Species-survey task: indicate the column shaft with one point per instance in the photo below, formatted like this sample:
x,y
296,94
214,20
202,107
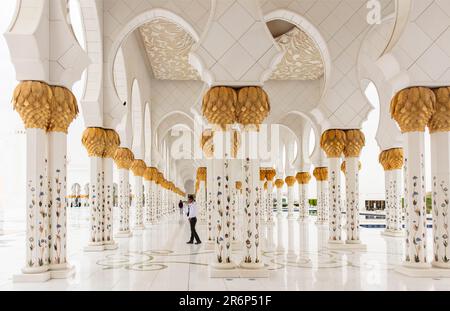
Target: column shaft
x,y
124,201
37,232
352,199
440,155
415,198
334,182
138,202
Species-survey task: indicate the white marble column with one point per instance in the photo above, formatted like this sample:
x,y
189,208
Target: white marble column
x,y
321,175
279,184
440,172
252,243
269,201
334,185
333,143
290,182
138,167
154,200
352,199
303,179
147,202
415,198
124,204
96,204
210,199
108,185
223,249
57,144
37,210
392,161
404,110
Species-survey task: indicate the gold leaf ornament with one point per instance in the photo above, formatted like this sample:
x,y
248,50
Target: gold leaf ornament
x,y
252,106
219,106
333,143
64,109
413,108
123,158
94,140
321,173
32,101
440,120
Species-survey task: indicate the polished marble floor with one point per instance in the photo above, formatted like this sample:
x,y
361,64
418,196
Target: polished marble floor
x,y
159,259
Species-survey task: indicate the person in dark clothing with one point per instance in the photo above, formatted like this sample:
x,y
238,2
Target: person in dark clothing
x,y
192,216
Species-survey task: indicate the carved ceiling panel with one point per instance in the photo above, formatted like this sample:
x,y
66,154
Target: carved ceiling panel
x,y
167,46
302,59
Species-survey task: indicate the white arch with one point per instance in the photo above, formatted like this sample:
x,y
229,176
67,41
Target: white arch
x,y
133,24
305,25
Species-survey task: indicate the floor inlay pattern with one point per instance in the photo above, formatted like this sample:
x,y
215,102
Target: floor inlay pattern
x,y
158,258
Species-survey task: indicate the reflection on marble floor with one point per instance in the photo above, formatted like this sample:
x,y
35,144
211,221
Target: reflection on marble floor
x,y
159,259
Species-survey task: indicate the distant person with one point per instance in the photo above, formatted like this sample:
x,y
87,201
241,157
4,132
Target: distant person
x,y
192,216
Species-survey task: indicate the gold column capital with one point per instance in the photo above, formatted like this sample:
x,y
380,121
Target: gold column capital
x,y
303,178
219,106
112,142
123,158
354,142
321,173
279,183
333,143
262,174
413,108
33,100
252,106
94,140
270,174
138,167
64,109
440,120
290,181
239,185
392,159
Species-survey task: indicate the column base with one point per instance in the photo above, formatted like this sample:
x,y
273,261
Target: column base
x,y
111,246
124,234
332,244
31,277
253,270
392,233
223,270
94,247
423,271
62,271
291,217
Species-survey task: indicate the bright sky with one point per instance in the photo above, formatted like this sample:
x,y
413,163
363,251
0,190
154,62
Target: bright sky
x,y
13,146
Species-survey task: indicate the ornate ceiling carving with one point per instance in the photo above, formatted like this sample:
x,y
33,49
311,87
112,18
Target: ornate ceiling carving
x,y
302,59
167,46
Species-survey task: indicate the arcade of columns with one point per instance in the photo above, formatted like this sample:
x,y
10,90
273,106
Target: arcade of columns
x,y
47,112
